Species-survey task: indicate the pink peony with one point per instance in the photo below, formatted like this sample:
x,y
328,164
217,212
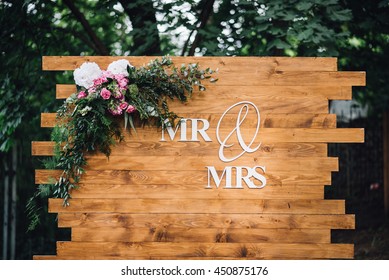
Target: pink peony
x,y
123,105
81,95
130,109
105,93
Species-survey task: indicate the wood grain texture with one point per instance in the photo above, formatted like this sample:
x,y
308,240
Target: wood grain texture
x,y
151,148
270,135
237,206
45,257
249,221
267,64
232,92
149,199
148,250
267,121
142,177
239,74
217,235
195,192
194,162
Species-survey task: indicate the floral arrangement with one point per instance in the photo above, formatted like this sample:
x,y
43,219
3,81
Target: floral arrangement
x,y
88,121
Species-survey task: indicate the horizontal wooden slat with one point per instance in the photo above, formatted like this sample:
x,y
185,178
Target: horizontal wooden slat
x,y
267,121
151,148
290,78
260,221
268,64
167,258
222,235
265,135
246,92
268,135
194,192
258,206
45,257
200,162
147,250
267,105
274,178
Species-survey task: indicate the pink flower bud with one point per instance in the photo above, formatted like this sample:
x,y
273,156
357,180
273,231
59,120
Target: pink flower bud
x,y
123,105
130,109
81,95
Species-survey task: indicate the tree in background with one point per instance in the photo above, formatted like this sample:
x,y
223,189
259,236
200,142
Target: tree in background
x,y
358,30
367,49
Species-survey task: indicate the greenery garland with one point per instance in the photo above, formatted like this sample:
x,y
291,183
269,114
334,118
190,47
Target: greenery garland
x,y
88,120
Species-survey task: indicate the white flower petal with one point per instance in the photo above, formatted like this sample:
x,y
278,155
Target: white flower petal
x,y
86,73
119,67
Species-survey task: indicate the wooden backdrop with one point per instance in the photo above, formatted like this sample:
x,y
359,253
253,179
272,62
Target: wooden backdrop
x,y
148,201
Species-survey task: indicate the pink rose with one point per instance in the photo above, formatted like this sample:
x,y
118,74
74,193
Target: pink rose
x,y
100,81
105,93
81,95
116,111
119,95
123,105
123,83
130,109
121,80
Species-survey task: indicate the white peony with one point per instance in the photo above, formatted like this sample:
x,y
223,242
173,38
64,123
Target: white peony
x,y
86,73
119,67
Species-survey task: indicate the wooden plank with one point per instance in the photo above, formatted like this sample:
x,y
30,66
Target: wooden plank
x,y
42,148
220,235
267,105
237,206
147,250
246,221
267,135
122,177
245,92
268,64
181,258
267,121
290,78
151,148
45,257
194,192
188,163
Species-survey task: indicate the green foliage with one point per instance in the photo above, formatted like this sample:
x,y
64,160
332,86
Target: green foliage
x,y
87,125
368,50
278,27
